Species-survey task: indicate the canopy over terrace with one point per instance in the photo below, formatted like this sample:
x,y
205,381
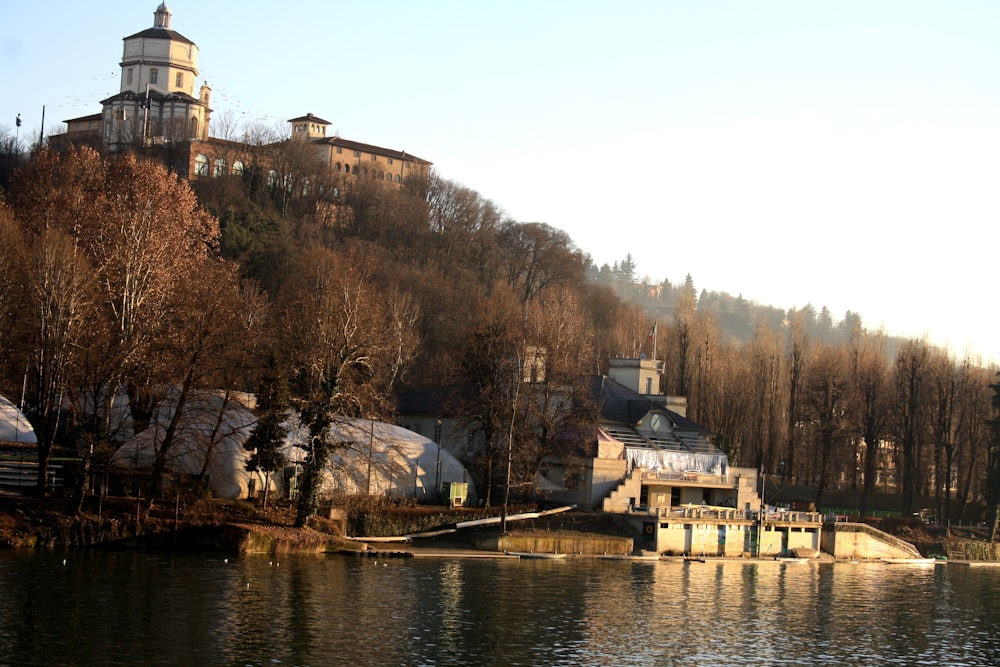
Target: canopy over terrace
x,y
672,451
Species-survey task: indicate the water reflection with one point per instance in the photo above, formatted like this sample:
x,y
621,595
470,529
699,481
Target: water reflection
x,y
130,608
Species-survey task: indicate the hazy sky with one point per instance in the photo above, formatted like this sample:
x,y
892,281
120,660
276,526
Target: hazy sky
x,y
841,153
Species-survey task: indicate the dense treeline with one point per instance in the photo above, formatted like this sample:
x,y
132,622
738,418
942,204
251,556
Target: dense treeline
x,y
341,292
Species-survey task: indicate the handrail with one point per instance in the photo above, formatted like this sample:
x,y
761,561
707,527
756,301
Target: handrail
x,y
729,514
879,535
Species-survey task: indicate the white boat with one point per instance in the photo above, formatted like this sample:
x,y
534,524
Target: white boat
x,y
909,561
536,554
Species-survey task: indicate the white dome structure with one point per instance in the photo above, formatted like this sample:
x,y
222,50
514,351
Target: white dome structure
x,y
14,426
377,458
369,457
208,439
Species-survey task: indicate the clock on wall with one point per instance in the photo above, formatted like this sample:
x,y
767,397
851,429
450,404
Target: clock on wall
x,y
656,422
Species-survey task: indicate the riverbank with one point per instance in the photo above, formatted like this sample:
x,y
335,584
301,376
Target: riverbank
x,y
243,527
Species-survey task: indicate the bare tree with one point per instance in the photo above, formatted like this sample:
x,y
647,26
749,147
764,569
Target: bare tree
x,y
871,406
536,256
944,389
825,402
59,307
492,364
910,377
991,488
349,349
797,352
12,280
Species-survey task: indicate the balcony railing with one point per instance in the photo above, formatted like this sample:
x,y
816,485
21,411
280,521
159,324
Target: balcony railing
x,y
686,476
729,514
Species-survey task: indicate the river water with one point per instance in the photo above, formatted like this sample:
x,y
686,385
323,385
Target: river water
x,y
125,608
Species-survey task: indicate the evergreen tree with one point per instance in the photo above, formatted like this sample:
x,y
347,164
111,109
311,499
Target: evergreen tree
x,y
269,434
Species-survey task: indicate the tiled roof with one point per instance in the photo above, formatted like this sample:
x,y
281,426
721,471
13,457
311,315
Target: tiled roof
x,y
84,119
161,33
154,95
368,148
309,117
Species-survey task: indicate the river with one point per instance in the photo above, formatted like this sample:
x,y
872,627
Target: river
x,y
127,608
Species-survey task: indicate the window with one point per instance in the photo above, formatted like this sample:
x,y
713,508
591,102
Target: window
x,y
374,158
200,165
179,79
272,178
357,153
336,167
220,167
397,178
237,168
154,75
339,150
128,76
390,160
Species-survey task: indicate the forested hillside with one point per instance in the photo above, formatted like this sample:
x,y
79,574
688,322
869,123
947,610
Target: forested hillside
x,y
333,293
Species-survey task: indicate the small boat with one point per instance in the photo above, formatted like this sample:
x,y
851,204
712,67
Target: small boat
x,y
538,554
643,557
909,561
791,559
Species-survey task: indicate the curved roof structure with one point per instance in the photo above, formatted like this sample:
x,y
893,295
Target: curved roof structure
x,y
14,426
369,457
378,458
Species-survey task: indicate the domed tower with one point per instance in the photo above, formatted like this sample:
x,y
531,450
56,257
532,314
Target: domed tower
x,y
156,101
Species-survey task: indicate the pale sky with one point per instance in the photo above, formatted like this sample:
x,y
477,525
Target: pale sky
x,y
838,153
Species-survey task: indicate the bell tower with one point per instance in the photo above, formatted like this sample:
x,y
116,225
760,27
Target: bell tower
x,y
156,101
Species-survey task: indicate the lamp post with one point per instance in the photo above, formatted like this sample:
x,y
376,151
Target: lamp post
x,y
510,446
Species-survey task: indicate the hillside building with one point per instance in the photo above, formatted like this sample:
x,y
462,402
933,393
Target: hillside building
x,y
161,109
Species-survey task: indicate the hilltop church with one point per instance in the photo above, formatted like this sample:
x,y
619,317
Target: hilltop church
x,y
156,107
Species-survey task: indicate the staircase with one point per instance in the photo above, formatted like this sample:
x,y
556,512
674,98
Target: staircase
x,y
859,540
626,494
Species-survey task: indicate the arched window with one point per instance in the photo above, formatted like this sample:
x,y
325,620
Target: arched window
x,y
194,127
336,167
397,178
237,168
220,167
200,165
272,178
